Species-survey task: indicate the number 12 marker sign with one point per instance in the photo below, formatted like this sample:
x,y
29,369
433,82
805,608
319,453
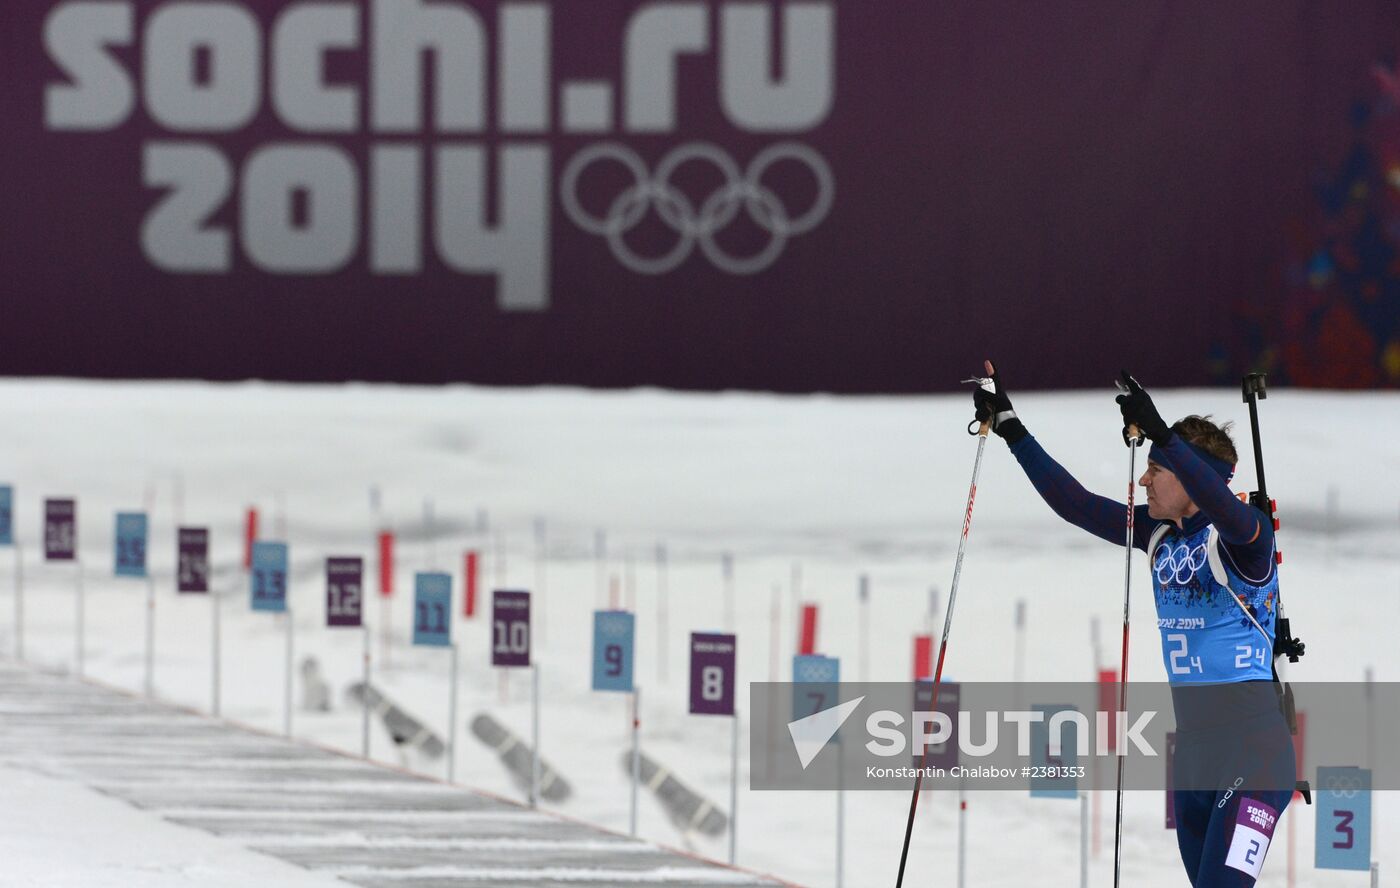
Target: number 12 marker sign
x,y
344,582
510,628
613,634
192,553
712,674
432,609
269,577
131,544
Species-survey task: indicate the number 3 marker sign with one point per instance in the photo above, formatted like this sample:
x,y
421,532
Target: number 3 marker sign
x,y
510,628
711,674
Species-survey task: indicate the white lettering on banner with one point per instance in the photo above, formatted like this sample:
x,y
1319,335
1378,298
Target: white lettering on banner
x,y
101,95
303,35
296,207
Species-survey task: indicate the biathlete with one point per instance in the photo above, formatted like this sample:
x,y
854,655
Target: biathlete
x,y
1216,591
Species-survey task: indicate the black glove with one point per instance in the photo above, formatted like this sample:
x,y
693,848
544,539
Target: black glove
x,y
1139,410
996,406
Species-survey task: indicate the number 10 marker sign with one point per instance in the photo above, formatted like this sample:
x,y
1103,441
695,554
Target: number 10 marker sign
x,y
432,609
60,529
193,559
711,674
510,628
613,633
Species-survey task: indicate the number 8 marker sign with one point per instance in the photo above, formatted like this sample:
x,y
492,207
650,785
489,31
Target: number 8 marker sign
x,y
613,633
432,609
131,544
712,674
510,628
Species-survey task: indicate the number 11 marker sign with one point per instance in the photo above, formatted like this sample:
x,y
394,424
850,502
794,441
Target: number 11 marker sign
x,y
432,609
510,628
712,674
613,633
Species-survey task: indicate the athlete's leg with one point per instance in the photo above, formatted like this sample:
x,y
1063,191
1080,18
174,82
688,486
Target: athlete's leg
x,y
1192,810
1238,836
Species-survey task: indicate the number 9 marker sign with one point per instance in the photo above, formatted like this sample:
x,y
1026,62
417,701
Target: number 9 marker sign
x,y
510,628
711,674
613,633
432,609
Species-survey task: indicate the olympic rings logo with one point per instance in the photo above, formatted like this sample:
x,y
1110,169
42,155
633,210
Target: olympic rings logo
x,y
740,191
815,672
613,626
1177,566
1343,787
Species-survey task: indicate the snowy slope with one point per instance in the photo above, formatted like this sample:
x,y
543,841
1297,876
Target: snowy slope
x,y
839,486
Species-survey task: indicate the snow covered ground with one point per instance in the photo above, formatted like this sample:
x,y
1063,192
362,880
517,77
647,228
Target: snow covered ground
x,y
834,487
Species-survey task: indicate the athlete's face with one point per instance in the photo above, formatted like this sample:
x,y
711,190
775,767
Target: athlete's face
x,y
1166,498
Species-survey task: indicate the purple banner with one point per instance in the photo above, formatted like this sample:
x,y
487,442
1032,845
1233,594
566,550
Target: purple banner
x,y
712,674
60,529
510,628
344,591
790,196
943,755
192,552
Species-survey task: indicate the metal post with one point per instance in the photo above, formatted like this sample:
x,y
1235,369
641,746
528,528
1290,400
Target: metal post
x,y
19,603
364,710
863,670
287,698
734,789
662,613
1083,840
1375,875
840,816
534,735
451,719
78,635
214,677
636,753
962,832
150,682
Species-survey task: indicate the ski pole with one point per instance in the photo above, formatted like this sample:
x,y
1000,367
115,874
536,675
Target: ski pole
x,y
1133,438
981,433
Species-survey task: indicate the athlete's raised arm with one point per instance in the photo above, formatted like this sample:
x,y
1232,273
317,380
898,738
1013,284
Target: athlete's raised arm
x,y
1100,515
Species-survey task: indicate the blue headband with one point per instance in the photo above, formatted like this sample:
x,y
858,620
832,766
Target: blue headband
x,y
1159,455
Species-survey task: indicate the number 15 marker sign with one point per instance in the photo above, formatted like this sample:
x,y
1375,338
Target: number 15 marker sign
x,y
712,674
613,633
510,628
